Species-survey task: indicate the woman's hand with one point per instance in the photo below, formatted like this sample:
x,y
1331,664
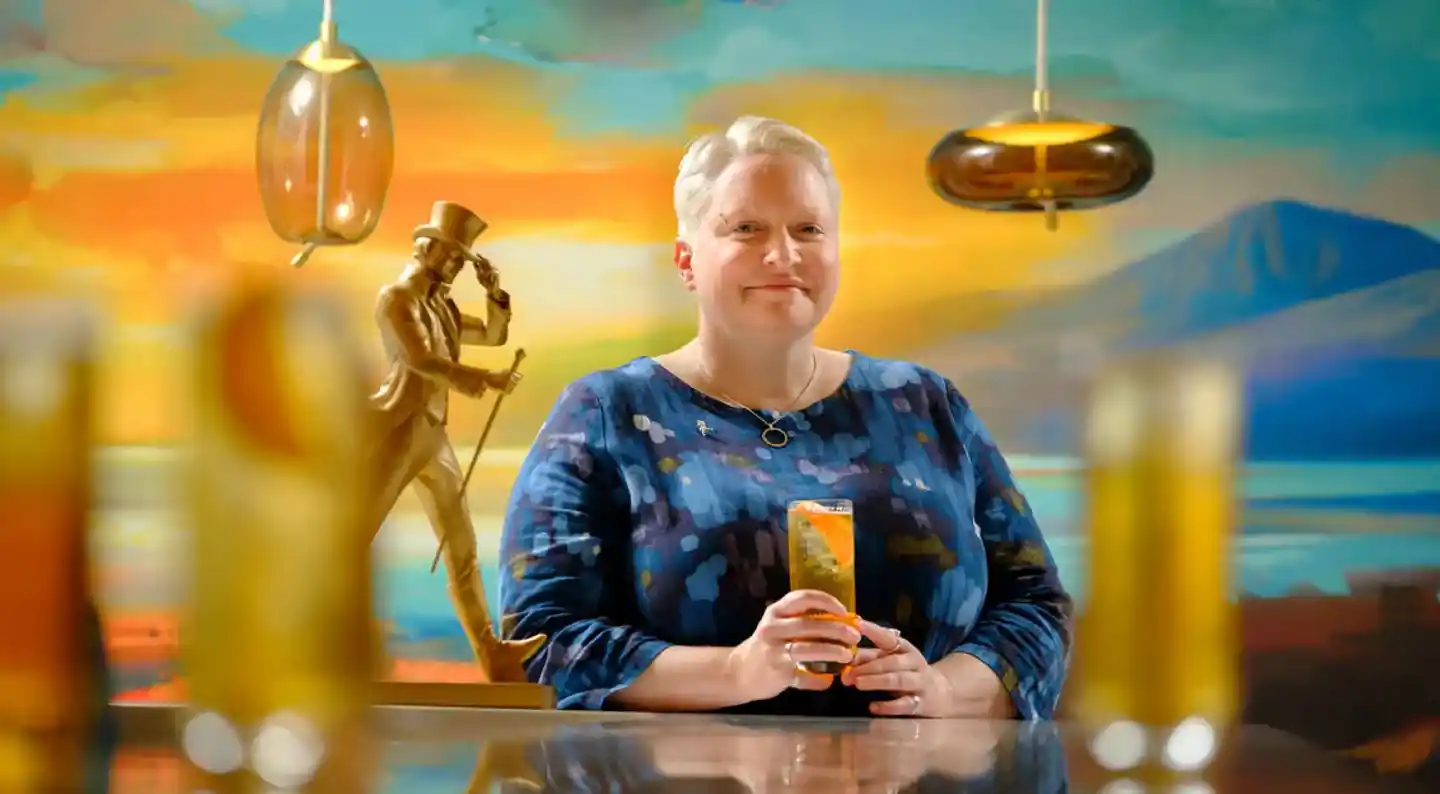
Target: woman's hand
x,y
975,690
768,662
897,667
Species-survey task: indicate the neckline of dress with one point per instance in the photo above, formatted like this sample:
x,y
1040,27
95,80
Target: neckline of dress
x,y
717,405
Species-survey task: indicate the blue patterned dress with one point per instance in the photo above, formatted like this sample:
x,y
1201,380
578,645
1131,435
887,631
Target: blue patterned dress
x,y
649,514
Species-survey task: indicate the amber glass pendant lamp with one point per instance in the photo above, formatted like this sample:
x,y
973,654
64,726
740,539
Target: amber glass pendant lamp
x,y
1038,160
325,149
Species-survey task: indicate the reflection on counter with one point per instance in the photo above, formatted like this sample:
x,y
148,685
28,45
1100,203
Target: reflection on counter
x,y
787,756
475,751
690,754
705,755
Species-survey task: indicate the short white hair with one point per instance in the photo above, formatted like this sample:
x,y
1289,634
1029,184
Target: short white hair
x,y
708,157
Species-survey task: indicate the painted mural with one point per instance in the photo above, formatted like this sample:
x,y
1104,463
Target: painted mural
x,y
1292,226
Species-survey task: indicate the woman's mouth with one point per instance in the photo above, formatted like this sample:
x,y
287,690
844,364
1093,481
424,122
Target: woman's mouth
x,y
779,288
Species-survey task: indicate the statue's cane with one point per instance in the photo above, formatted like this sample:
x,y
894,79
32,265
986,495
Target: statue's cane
x,y
475,457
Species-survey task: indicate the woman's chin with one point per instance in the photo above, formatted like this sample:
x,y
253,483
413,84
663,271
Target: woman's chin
x,y
793,321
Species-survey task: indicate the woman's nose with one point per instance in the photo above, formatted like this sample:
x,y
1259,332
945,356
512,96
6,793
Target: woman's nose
x,y
783,251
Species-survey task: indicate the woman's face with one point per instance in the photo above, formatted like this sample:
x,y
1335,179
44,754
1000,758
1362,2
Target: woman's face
x,y
763,259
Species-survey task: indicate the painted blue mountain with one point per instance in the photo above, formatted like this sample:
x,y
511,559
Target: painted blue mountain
x,y
1334,316
1354,376
1268,258
1262,259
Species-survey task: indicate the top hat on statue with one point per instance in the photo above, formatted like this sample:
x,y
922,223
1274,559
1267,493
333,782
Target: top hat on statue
x,y
454,225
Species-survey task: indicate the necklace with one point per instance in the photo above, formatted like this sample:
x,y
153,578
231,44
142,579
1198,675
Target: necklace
x,y
772,436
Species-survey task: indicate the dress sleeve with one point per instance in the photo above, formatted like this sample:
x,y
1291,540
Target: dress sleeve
x,y
563,552
1023,633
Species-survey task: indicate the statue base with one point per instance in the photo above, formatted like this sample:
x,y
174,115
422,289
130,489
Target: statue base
x,y
475,695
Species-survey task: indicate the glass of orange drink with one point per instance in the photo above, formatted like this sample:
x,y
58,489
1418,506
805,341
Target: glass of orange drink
x,y
822,557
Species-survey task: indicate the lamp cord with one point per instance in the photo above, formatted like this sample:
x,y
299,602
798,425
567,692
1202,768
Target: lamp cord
x,y
1042,76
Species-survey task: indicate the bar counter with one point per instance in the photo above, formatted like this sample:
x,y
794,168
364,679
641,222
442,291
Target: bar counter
x,y
476,751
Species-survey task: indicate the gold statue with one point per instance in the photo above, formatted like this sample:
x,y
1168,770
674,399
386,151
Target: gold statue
x,y
422,330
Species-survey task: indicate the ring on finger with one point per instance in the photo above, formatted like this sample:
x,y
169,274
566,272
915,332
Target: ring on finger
x,y
896,634
790,653
914,704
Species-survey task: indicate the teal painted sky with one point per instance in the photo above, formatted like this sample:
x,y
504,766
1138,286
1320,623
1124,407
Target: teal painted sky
x,y
1360,77
1300,72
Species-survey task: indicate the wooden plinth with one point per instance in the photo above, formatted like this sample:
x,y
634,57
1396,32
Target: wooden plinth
x,y
466,695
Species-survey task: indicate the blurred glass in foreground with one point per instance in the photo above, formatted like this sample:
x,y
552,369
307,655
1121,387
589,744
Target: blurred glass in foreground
x,y
277,643
1159,667
52,667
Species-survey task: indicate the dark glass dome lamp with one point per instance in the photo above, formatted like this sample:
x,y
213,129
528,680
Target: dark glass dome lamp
x,y
325,148
1038,160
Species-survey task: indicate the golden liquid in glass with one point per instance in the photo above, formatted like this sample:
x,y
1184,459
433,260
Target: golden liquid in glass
x,y
49,687
277,640
1160,648
822,557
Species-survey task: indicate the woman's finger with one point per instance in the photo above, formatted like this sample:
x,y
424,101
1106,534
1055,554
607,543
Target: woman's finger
x,y
801,652
892,663
798,602
789,629
907,706
884,637
899,681
868,655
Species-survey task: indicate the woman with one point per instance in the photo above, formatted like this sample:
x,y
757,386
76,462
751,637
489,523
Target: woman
x,y
646,531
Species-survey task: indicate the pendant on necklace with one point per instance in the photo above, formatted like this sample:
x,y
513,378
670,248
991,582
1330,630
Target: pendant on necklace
x,y
774,437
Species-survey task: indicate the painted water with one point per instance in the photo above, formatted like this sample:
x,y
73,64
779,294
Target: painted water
x,y
1307,527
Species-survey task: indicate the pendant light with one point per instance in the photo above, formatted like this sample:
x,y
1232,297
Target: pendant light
x,y
1039,160
325,149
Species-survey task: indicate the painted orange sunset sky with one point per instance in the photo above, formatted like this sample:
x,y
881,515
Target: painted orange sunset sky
x,y
127,171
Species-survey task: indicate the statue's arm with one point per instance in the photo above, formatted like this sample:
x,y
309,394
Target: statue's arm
x,y
397,313
494,329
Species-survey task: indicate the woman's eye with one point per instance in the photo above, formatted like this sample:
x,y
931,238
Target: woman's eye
x,y
747,228
810,228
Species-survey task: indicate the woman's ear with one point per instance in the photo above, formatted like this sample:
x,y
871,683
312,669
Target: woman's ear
x,y
683,257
